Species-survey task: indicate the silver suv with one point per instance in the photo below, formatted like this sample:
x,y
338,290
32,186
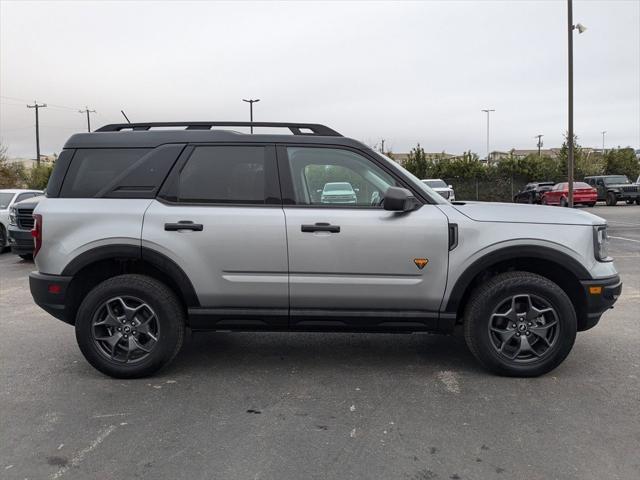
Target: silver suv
x,y
146,231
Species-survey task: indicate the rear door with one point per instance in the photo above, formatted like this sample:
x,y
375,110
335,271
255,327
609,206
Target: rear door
x,y
356,265
219,217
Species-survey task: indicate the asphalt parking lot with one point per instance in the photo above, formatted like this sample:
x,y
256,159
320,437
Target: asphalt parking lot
x,y
321,406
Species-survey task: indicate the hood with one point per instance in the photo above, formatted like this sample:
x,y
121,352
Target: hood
x,y
523,213
29,202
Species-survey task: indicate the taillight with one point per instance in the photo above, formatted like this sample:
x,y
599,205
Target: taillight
x,y
36,233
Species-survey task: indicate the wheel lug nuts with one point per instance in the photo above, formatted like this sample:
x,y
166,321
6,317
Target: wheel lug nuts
x,y
529,323
513,326
135,332
528,333
126,336
119,329
517,334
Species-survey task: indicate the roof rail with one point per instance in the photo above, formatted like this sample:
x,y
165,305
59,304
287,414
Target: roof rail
x,y
296,128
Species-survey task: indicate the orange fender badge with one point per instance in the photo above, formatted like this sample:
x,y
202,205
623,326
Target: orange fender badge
x,y
421,262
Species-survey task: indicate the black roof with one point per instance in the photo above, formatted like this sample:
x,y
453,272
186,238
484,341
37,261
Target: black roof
x,y
150,135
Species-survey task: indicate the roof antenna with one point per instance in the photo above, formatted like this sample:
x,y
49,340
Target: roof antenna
x,y
125,116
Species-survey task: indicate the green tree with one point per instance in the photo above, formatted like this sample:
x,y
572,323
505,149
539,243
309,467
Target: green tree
x,y
12,175
622,161
417,162
38,176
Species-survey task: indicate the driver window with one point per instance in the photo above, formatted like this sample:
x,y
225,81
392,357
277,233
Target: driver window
x,y
336,177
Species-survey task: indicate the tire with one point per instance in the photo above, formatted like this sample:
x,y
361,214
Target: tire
x,y
612,199
563,202
26,256
481,327
629,202
592,204
638,201
158,314
3,238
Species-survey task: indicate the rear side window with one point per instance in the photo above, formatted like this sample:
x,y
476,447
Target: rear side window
x,y
92,169
225,174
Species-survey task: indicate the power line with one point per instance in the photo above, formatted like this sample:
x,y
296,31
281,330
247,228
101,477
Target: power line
x,y
37,107
87,111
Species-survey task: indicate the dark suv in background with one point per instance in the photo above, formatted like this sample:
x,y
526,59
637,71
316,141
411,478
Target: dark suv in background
x,y
20,225
532,192
614,188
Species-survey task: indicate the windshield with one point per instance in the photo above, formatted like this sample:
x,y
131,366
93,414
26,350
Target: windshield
x,y
435,183
434,196
616,179
337,186
5,200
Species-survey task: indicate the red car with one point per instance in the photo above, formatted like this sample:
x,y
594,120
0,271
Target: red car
x,y
583,194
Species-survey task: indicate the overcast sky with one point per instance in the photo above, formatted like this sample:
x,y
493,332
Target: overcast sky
x,y
407,72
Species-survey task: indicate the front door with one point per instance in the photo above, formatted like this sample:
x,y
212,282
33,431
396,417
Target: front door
x,y
353,264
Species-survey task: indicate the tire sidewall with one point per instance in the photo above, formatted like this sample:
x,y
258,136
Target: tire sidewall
x,y
160,302
478,327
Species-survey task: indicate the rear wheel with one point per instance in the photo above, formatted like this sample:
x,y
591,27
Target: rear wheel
x,y
612,199
130,326
630,202
563,202
520,324
26,256
3,238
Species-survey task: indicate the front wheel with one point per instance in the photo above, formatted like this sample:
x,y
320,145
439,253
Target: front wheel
x,y
520,324
612,199
130,326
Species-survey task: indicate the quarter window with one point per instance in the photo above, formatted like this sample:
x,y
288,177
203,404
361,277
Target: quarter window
x,y
336,177
224,174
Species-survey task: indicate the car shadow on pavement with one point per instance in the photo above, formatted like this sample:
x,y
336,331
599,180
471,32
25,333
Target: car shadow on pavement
x,y
330,351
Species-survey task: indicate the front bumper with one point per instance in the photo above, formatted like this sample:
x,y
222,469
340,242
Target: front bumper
x,y
601,295
49,291
20,241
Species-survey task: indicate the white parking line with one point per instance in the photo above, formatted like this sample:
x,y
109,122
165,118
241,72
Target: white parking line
x,y
627,239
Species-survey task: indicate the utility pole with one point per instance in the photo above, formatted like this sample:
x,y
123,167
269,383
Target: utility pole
x,y
539,145
87,111
488,111
603,134
37,107
570,160
251,102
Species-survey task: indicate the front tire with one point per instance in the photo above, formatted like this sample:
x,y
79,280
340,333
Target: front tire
x,y
520,324
612,199
130,326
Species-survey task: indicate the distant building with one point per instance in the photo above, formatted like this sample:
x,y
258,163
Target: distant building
x,y
29,163
402,158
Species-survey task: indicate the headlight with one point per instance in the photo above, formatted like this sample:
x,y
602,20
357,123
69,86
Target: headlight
x,y
601,244
12,216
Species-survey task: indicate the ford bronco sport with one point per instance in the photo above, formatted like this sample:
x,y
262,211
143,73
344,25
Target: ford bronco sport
x,y
148,229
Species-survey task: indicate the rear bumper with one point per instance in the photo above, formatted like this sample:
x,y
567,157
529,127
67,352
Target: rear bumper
x,y
601,295
49,291
20,241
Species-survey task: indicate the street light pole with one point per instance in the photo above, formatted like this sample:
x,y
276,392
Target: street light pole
x,y
488,110
603,133
570,159
539,145
251,102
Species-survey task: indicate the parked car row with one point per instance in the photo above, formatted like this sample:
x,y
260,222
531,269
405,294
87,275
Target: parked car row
x,y
16,221
609,188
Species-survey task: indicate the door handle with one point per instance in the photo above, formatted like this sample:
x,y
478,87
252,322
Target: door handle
x,y
183,225
320,227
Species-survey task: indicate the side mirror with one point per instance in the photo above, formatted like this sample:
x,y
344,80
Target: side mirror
x,y
357,190
451,187
398,199
319,190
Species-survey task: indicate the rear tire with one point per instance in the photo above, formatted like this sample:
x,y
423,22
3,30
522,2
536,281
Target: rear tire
x,y
630,202
563,202
3,238
612,199
545,327
130,326
26,256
